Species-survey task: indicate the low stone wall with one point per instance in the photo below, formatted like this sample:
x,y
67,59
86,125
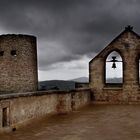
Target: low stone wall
x,y
17,109
80,98
115,95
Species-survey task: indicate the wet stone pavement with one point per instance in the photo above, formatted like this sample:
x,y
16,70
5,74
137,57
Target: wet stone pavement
x,y
94,122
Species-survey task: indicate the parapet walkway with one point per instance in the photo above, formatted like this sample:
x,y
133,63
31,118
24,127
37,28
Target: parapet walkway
x,y
93,122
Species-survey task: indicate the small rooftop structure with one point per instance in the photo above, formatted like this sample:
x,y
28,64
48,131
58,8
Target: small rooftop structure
x,y
114,72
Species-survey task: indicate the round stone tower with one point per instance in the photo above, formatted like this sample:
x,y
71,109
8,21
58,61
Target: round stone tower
x,y
18,63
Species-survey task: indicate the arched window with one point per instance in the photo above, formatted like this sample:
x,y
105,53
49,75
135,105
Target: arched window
x,y
114,68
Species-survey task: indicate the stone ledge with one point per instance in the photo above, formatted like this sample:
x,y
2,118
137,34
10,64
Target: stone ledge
x,y
39,93
17,35
112,88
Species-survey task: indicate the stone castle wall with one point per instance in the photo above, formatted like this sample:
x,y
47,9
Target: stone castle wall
x,y
17,109
19,74
18,63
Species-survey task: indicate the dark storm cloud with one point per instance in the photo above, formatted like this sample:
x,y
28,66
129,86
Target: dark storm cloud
x,y
68,29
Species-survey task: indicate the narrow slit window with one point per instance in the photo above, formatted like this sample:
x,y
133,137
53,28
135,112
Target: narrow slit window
x,y
114,69
4,117
14,53
1,53
139,70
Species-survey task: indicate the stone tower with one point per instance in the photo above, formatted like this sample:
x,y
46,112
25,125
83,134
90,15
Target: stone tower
x,y
18,63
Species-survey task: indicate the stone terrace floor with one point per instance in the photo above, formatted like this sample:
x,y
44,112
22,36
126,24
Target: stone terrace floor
x,y
94,122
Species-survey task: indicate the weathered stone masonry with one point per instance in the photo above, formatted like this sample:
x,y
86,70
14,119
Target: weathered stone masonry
x,y
19,99
18,63
22,107
127,44
18,73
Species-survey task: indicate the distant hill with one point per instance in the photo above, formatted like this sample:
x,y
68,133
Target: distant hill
x,y
61,84
81,80
69,85
114,80
56,85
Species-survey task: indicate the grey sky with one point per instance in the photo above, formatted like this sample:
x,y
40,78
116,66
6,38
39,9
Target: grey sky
x,y
69,32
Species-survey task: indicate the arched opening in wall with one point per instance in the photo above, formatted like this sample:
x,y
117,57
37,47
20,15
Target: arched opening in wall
x,y
114,68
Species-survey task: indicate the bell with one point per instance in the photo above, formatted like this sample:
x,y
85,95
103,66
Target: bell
x,y
114,65
114,58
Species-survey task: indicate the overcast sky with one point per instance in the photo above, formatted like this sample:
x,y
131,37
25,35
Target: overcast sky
x,y
69,32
